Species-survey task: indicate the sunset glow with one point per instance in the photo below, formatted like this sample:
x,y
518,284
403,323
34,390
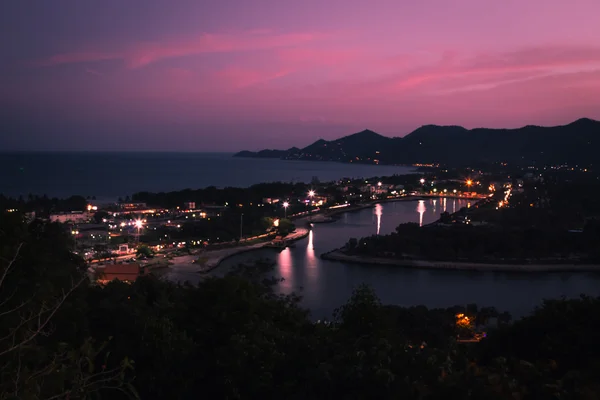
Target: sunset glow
x,y
232,75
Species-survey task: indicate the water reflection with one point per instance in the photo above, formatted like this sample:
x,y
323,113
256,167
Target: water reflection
x,y
434,205
312,262
444,204
285,263
310,251
421,210
325,285
453,206
378,214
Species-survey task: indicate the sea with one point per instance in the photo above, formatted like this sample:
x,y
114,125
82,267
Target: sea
x,y
323,285
108,176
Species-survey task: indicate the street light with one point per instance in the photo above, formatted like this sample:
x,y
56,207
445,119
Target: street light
x,y
422,181
138,224
311,193
285,206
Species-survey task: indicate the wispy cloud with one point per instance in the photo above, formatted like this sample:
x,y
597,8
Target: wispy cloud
x,y
93,72
536,62
140,54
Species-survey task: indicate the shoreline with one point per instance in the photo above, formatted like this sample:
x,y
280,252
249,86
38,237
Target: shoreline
x,y
337,255
211,264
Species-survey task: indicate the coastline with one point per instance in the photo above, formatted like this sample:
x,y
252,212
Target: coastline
x,y
218,256
337,255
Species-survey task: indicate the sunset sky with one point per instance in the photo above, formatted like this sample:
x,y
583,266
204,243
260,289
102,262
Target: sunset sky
x,y
227,75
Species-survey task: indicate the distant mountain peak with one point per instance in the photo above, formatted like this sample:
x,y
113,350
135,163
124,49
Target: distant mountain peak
x,y
577,143
582,121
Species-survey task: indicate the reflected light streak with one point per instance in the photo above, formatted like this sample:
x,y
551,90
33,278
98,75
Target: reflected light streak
x,y
310,251
434,204
378,214
444,204
312,270
454,206
421,210
285,266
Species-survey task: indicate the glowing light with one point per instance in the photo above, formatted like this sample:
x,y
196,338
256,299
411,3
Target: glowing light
x,y
421,210
378,214
422,181
276,223
311,193
469,182
379,184
139,223
286,204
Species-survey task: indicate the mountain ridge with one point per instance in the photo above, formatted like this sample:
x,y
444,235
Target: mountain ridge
x,y
576,142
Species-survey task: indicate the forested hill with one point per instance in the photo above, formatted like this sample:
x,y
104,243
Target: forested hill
x,y
577,143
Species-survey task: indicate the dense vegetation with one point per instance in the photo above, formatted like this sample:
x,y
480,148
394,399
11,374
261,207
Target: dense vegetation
x,y
233,338
554,220
482,244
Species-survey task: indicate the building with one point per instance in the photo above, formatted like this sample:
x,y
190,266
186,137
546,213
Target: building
x,y
132,206
269,200
74,217
121,272
190,205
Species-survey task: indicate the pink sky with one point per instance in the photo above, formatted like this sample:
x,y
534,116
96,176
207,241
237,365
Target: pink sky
x,y
231,75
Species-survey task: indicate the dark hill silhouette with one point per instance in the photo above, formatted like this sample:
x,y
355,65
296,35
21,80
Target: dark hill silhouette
x,y
575,143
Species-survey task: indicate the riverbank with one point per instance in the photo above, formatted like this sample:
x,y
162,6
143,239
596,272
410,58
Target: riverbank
x,y
331,215
213,258
338,255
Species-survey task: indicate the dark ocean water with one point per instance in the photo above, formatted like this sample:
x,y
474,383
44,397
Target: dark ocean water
x,y
111,175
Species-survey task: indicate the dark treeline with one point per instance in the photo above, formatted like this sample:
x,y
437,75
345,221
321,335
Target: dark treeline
x,y
555,219
213,195
233,338
43,204
483,244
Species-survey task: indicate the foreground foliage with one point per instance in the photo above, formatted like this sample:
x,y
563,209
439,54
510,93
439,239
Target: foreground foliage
x,y
234,338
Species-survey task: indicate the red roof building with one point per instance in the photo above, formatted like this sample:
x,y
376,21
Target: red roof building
x,y
128,272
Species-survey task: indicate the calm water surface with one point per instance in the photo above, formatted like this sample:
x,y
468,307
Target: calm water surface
x,y
326,285
112,175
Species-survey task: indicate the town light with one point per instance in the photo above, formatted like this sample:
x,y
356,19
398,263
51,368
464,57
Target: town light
x,y
139,223
422,181
379,184
469,182
311,193
285,206
276,223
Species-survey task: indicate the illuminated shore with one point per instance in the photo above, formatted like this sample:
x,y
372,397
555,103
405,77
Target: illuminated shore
x,y
338,255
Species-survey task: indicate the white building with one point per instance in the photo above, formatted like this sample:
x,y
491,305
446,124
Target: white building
x,y
75,217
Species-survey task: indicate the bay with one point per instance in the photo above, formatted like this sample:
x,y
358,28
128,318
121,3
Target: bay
x,y
325,285
111,175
